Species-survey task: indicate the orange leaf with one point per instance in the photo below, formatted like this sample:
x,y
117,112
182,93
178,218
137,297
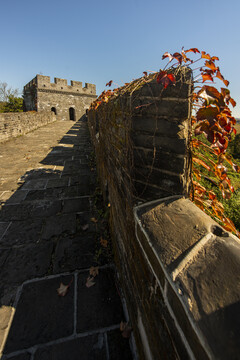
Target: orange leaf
x,y
211,65
229,225
178,57
211,91
199,202
199,188
109,83
94,271
219,76
233,102
205,56
195,50
201,162
197,173
208,113
211,195
206,77
103,242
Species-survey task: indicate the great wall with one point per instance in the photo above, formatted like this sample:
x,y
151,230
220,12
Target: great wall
x,y
177,269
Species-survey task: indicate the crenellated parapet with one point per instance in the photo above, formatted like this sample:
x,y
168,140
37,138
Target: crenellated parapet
x,y
43,83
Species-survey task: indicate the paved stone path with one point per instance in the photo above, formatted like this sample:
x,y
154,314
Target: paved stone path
x,y
53,230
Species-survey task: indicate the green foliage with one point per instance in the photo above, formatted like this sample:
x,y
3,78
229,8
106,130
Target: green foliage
x,y
14,104
208,181
234,147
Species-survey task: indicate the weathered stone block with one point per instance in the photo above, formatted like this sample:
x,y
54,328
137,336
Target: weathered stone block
x,y
159,159
41,314
155,125
162,107
29,261
92,347
168,144
167,181
199,273
109,309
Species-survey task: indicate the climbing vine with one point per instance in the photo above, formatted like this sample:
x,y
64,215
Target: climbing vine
x,y
212,125
213,119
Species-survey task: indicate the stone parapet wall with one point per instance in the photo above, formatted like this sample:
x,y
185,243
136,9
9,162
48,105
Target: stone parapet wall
x,y
16,124
141,140
179,270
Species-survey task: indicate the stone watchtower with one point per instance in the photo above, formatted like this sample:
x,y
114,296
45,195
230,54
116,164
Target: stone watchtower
x,y
68,102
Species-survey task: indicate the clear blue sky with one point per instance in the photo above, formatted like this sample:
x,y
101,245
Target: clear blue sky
x,y
97,41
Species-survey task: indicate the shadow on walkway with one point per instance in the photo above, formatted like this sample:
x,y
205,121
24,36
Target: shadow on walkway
x,y
51,232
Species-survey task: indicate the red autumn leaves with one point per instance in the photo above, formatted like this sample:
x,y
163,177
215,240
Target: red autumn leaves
x,y
165,79
214,120
208,71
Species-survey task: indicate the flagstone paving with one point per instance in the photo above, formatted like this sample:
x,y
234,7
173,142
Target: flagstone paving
x,y
50,232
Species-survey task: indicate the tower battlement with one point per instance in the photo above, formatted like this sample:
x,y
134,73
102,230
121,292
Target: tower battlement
x,y
42,83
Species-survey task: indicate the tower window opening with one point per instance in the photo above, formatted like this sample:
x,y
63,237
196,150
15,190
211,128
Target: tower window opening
x,y
72,113
54,110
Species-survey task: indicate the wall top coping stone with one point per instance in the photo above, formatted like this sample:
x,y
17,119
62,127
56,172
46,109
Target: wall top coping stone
x,y
200,263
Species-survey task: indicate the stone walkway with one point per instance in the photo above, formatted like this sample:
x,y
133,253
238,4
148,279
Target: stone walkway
x,y
53,229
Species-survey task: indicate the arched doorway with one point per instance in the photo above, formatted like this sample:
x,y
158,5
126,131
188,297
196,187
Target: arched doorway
x,y
72,113
54,110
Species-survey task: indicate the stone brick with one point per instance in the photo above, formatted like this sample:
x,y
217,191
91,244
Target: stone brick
x,y
58,224
76,204
75,252
159,159
92,347
41,314
29,261
176,219
3,228
156,125
22,232
105,302
168,144
26,210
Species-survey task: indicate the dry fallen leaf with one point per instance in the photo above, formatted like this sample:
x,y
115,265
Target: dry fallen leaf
x,y
62,290
93,219
103,242
125,329
90,281
94,271
85,227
